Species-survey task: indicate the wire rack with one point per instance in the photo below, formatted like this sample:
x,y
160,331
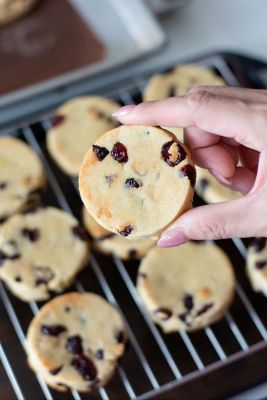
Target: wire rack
x,y
154,364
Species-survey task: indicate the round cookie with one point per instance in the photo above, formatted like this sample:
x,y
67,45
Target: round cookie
x,y
77,124
186,288
75,341
211,190
136,180
11,10
22,177
179,81
256,266
110,243
41,252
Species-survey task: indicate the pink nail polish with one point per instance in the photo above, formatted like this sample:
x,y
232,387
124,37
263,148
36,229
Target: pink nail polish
x,y
123,110
172,238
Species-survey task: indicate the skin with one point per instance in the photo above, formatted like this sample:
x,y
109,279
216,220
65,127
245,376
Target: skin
x,y
221,125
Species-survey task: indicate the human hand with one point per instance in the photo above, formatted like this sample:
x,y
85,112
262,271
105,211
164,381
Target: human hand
x,y
222,125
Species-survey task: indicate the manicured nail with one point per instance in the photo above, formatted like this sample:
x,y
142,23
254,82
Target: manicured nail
x,y
123,110
172,238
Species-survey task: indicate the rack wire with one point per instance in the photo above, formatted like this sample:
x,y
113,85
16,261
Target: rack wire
x,y
153,363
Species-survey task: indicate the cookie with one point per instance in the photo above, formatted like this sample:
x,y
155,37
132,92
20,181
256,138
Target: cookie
x,y
186,288
179,81
41,252
75,341
22,177
77,124
212,191
256,265
96,231
11,10
136,180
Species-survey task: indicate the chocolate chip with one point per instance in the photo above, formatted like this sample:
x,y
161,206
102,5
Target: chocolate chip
x,y
260,264
53,330
43,275
99,354
172,153
119,337
126,231
132,183
163,313
84,367
203,183
119,153
55,371
31,234
190,172
80,233
204,309
3,185
188,301
259,243
100,152
74,344
133,253
57,120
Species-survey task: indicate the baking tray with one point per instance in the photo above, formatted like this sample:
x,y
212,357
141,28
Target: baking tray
x,y
224,358
126,29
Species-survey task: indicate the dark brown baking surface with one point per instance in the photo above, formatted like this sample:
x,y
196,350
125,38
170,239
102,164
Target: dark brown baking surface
x,y
50,40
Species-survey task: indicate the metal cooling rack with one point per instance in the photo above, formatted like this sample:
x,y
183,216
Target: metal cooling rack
x,y
154,364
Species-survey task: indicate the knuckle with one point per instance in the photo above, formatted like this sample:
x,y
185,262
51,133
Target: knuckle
x,y
214,230
197,98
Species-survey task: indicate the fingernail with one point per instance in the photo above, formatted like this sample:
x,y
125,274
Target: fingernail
x,y
221,178
172,238
123,110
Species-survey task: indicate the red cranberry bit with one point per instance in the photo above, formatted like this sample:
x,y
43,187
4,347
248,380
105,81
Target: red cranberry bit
x,y
172,91
172,153
53,330
85,367
3,185
163,313
57,120
3,257
55,371
31,234
119,337
204,309
99,354
126,231
119,153
188,302
260,264
74,345
100,152
18,279
132,183
203,184
43,275
80,233
133,253
259,243
190,172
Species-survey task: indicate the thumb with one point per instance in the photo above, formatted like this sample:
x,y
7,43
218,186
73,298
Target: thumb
x,y
236,218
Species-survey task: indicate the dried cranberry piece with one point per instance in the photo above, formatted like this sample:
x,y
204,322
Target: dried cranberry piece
x,y
173,153
31,234
119,337
18,279
183,317
3,185
188,301
172,91
55,371
53,330
57,120
80,233
74,345
259,243
203,184
13,257
190,172
204,309
163,313
126,231
43,275
132,183
260,264
119,153
3,257
3,219
99,354
67,309
85,367
100,152
133,253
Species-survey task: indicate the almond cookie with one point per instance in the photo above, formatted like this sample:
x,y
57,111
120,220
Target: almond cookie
x,y
75,341
257,265
41,252
112,244
136,180
11,10
77,124
22,177
186,288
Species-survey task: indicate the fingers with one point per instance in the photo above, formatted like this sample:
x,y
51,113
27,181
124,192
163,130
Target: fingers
x,y
228,117
248,95
237,218
242,180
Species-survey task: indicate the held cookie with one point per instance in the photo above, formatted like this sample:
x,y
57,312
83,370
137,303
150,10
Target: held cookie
x,y
75,341
22,177
11,10
257,265
41,252
112,244
211,190
77,124
136,180
186,288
